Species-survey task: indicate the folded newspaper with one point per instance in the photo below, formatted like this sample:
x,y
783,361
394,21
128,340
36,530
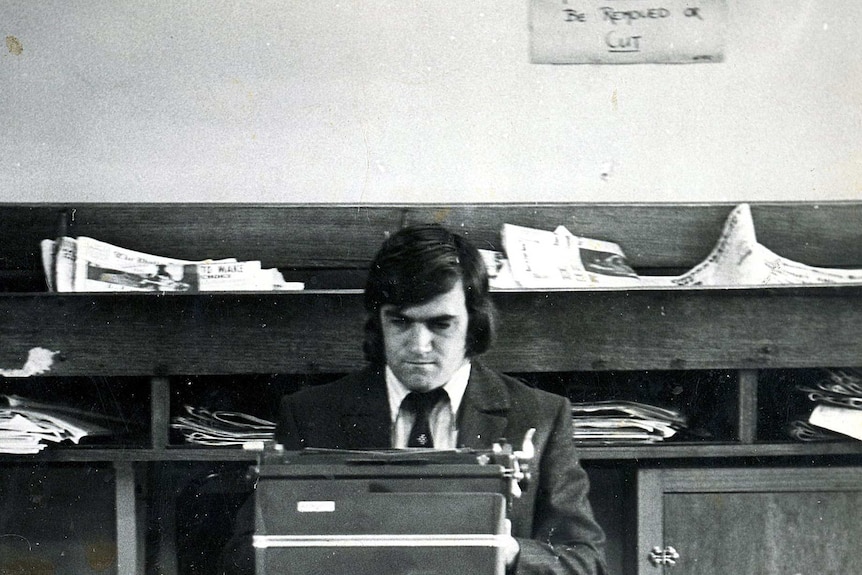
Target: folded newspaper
x,y
542,259
738,259
88,265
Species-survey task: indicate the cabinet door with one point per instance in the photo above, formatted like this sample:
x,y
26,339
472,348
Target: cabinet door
x,y
759,521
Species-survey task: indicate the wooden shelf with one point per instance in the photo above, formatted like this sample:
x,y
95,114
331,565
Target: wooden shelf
x,y
74,455
587,453
719,450
563,330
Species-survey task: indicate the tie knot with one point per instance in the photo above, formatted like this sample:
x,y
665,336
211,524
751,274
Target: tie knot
x,y
422,403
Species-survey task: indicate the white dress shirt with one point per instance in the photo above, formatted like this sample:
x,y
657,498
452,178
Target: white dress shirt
x,y
443,418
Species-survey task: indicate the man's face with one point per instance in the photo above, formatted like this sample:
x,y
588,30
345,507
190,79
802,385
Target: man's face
x,y
426,344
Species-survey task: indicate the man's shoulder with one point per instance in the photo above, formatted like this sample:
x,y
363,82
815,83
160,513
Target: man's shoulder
x,y
518,389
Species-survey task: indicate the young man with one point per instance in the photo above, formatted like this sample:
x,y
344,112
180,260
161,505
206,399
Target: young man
x,y
429,318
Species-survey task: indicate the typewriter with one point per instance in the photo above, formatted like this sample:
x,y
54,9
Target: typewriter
x,y
398,512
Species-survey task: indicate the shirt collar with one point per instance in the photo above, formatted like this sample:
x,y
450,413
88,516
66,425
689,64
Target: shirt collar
x,y
454,388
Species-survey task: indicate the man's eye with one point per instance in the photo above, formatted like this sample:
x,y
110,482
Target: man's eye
x,y
441,325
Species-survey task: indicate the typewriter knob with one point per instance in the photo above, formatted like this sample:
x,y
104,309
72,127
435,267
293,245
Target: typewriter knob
x,y
528,450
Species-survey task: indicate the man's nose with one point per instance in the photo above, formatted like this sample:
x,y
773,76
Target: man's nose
x,y
421,338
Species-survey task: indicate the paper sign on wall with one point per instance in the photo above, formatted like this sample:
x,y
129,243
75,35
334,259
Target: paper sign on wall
x,y
627,31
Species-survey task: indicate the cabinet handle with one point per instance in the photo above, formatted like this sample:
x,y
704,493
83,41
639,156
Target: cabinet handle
x,y
666,556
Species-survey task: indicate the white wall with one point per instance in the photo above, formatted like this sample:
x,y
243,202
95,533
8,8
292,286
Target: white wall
x,y
415,101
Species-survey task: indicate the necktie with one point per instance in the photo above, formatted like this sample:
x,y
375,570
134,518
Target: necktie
x,y
420,405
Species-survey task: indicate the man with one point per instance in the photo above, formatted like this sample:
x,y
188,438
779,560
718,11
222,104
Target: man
x,y
429,318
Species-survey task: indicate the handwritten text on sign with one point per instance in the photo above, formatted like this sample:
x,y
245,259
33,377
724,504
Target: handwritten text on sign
x,y
627,31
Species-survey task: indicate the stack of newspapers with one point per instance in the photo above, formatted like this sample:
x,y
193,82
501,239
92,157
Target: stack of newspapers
x,y
837,411
543,259
202,426
27,426
606,422
84,264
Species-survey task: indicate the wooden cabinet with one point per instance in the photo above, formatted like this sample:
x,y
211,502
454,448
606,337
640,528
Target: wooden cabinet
x,y
749,520
145,355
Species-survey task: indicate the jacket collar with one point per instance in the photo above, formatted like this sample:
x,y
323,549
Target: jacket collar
x,y
484,411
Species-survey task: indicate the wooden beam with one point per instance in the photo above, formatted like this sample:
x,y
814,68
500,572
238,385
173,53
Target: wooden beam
x,y
321,332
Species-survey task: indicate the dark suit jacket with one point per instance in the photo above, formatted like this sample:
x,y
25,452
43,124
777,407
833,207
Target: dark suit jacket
x,y
552,520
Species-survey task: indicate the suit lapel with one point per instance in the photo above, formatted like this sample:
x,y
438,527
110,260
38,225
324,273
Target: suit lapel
x,y
484,410
365,420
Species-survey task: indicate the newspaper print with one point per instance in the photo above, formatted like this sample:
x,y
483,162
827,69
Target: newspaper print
x,y
100,266
88,265
738,259
541,259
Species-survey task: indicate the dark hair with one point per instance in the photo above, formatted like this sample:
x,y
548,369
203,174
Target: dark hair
x,y
418,263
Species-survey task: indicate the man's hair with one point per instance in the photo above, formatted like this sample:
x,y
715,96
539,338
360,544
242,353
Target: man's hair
x,y
417,264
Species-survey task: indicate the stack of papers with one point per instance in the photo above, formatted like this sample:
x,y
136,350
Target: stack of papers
x,y
27,426
541,259
606,422
838,404
222,428
84,264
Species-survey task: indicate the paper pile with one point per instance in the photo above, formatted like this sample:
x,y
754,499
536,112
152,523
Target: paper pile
x,y
27,426
540,259
87,265
222,428
606,422
838,406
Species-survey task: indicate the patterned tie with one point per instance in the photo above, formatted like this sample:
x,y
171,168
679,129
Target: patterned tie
x,y
420,405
